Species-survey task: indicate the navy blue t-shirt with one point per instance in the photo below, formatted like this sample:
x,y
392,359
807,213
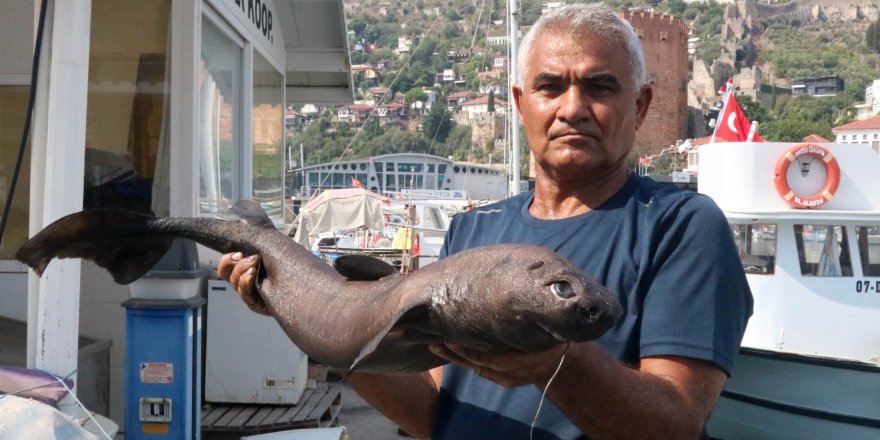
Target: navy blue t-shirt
x,y
669,256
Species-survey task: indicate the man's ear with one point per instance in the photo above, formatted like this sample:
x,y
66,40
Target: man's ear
x,y
643,101
517,91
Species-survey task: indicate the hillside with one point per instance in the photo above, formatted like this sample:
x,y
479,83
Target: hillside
x,y
414,43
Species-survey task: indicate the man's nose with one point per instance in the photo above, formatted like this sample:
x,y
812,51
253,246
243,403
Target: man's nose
x,y
574,105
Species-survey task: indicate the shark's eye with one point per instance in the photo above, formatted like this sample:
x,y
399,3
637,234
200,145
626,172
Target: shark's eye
x,y
562,289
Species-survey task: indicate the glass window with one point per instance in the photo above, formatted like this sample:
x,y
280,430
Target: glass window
x,y
430,168
377,166
823,250
314,178
13,104
219,135
868,238
390,182
411,167
267,136
389,166
757,246
339,181
127,109
441,169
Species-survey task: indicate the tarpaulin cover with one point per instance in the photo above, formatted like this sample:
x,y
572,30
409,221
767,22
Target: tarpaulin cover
x,y
339,210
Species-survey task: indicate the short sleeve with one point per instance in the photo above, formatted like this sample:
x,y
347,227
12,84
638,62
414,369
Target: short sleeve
x,y
698,300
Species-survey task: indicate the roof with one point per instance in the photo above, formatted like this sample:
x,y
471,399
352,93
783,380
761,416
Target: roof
x,y
317,51
872,123
482,100
815,139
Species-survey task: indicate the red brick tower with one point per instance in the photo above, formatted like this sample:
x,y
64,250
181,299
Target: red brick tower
x,y
664,41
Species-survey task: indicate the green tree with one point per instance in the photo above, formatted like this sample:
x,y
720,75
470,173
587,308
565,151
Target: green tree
x,y
436,123
490,103
872,36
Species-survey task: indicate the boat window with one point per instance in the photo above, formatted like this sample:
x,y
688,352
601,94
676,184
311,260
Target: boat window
x,y
411,167
389,166
823,250
378,166
390,182
314,178
430,168
441,169
756,244
868,238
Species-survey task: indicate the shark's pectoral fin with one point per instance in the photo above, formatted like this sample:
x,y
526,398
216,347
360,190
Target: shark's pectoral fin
x,y
407,316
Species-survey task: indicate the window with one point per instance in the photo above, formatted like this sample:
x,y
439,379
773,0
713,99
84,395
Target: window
x,y
664,35
267,136
127,113
868,239
13,104
219,136
757,247
823,250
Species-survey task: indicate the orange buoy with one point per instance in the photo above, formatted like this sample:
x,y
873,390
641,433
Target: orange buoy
x,y
780,177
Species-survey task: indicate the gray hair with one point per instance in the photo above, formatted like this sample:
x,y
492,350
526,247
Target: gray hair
x,y
580,19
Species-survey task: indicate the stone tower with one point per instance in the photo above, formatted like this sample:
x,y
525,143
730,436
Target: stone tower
x,y
664,41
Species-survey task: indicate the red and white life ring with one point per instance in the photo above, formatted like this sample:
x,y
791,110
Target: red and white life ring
x,y
780,177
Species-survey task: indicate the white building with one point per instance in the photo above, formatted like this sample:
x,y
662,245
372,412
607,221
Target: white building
x,y
871,106
479,106
866,131
393,173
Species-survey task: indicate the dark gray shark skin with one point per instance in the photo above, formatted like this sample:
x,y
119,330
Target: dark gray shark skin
x,y
494,298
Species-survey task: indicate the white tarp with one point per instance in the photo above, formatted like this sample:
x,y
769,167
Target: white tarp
x,y
339,210
22,418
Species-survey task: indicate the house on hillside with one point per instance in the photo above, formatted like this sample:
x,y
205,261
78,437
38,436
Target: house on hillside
x,y
817,87
479,106
354,113
393,115
364,71
871,106
295,121
866,131
459,97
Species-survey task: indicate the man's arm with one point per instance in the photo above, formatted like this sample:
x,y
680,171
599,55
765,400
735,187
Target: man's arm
x,y
409,400
666,397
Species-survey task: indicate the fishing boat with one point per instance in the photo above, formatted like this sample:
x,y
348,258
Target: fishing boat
x,y
806,219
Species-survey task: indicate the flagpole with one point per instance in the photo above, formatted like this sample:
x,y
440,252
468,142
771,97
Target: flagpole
x,y
752,131
728,89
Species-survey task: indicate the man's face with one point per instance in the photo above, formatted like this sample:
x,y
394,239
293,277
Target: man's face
x,y
578,105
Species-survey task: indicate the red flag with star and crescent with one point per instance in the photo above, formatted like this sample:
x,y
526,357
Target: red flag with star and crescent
x,y
733,125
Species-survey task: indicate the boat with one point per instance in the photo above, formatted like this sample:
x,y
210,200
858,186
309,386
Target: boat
x,y
806,219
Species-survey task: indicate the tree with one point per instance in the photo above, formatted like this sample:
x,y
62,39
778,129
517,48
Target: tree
x,y
490,103
872,36
436,123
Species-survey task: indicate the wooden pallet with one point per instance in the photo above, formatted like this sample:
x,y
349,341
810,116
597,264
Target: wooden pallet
x,y
317,408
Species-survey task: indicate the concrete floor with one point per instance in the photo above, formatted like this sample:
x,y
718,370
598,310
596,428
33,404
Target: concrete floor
x,y
362,421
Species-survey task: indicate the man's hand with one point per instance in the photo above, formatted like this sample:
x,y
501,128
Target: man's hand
x,y
509,369
241,272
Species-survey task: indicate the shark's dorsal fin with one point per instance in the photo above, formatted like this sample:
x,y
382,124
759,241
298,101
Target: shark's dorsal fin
x,y
363,267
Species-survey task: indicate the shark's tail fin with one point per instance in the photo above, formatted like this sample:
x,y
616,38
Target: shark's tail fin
x,y
127,244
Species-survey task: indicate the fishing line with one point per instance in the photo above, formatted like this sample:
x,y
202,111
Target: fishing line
x,y
544,394
35,69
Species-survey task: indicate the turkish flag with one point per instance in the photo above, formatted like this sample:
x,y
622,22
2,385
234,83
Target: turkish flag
x,y
732,124
356,183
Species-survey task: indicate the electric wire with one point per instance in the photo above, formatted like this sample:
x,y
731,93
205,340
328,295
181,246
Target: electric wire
x,y
25,133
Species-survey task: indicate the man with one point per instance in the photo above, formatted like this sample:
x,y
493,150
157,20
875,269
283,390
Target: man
x,y
668,254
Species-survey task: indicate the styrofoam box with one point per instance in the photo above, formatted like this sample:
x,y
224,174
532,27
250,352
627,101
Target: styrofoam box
x,y
184,285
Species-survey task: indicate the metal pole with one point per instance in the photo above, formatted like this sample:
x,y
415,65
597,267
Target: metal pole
x,y
513,10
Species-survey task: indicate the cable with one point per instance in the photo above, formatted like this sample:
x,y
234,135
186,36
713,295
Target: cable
x,y
35,68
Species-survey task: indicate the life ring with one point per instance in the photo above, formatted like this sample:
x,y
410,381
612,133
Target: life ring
x,y
780,177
